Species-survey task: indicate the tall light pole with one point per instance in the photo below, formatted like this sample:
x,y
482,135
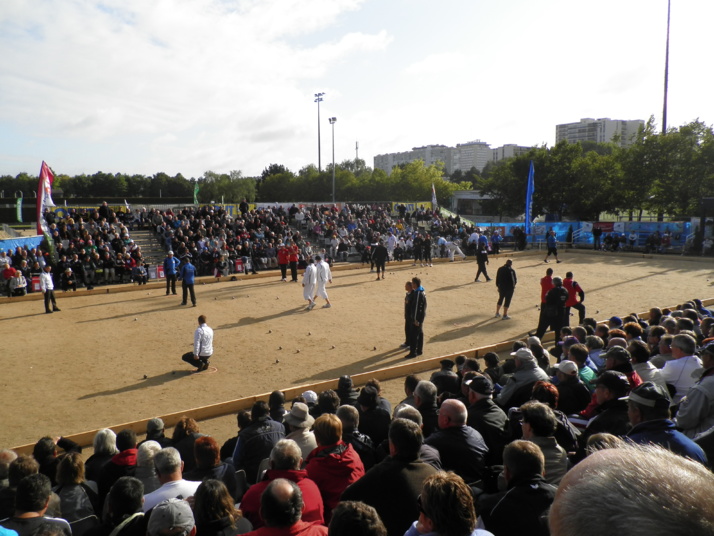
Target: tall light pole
x,y
666,73
318,100
332,122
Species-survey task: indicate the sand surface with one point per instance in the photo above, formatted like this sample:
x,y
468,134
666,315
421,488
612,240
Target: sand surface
x,y
113,358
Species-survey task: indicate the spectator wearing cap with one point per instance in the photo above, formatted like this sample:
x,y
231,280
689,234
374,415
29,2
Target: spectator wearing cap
x,y
285,462
696,409
538,424
461,448
619,359
155,432
297,424
373,420
573,395
614,322
257,440
346,391
484,416
445,379
648,410
334,464
362,443
611,410
681,371
310,399
171,265
518,388
393,486
172,517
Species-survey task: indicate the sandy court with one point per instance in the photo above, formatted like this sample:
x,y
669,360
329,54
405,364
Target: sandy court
x,y
107,359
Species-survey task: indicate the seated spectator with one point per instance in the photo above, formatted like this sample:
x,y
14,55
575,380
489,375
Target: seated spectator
x,y
17,285
257,440
680,372
579,354
446,508
611,411
7,456
425,402
664,352
696,410
105,448
327,402
346,391
649,414
538,423
381,401
392,486
124,515
574,396
139,274
354,518
45,452
373,420
69,280
185,434
155,432
333,465
445,379
520,385
362,443
640,354
487,418
276,403
19,468
243,419
209,465
410,384
145,471
78,498
285,462
281,507
31,502
493,366
215,512
461,448
297,424
520,509
171,517
619,478
121,464
169,470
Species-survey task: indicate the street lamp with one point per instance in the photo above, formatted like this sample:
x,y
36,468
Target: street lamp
x,y
332,122
318,100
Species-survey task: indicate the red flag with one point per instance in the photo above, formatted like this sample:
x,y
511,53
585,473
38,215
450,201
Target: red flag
x,y
44,196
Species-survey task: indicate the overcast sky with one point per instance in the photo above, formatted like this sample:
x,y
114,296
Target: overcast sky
x,y
143,86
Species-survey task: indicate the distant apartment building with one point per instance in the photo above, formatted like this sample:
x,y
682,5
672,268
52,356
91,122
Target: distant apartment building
x,y
508,151
430,154
470,154
599,130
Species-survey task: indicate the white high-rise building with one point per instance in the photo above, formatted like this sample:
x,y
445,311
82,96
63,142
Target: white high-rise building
x,y
430,154
471,154
599,130
508,151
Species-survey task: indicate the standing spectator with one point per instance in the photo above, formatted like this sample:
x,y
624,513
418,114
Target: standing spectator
x,y
552,243
323,276
202,346
188,275
47,286
171,265
417,313
506,281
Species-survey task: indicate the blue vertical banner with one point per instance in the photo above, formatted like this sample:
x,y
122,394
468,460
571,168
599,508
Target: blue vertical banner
x,y
529,200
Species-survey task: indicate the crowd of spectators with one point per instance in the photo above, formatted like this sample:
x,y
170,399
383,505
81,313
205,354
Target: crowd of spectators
x,y
499,446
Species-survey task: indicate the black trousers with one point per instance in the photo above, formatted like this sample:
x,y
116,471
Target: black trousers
x,y
188,358
293,270
416,339
283,270
482,270
171,284
581,312
186,289
50,297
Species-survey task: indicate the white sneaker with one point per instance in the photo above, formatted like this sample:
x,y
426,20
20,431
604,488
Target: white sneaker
x,y
506,317
497,315
327,306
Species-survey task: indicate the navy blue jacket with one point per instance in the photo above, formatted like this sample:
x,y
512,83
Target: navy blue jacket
x,y
664,433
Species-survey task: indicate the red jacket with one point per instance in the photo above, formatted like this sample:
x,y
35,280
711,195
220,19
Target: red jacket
x,y
283,255
546,283
294,253
298,529
312,510
333,468
574,290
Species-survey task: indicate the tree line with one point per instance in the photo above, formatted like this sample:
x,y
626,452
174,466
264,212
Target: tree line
x,y
664,173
